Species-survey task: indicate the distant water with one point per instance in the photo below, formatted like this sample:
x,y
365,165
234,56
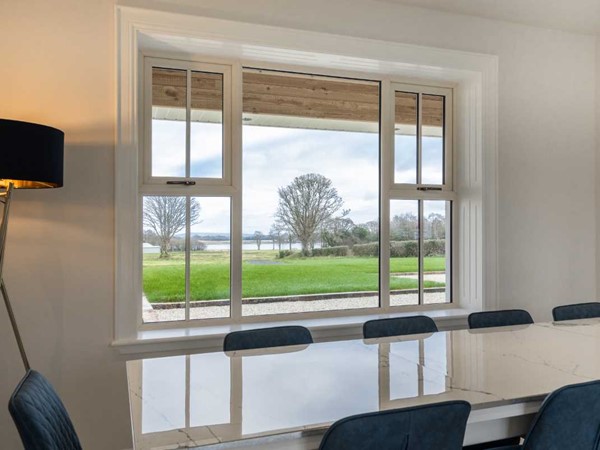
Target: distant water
x,y
265,245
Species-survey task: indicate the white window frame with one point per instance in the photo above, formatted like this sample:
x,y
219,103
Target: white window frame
x,y
386,152
474,75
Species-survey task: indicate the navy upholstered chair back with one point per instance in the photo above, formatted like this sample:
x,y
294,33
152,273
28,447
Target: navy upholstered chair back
x,y
488,319
569,418
398,326
577,311
440,426
40,416
267,337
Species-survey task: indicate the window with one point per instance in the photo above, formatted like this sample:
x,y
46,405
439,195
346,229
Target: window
x,y
421,196
289,221
186,209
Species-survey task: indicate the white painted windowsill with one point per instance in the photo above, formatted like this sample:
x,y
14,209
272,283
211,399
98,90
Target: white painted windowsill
x,y
210,338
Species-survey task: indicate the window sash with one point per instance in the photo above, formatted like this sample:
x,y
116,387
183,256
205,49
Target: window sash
x,y
447,185
154,183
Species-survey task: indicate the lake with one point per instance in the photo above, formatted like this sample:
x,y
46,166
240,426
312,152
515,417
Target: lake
x,y
265,245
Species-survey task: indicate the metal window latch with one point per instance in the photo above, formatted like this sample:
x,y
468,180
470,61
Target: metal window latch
x,y
428,188
183,183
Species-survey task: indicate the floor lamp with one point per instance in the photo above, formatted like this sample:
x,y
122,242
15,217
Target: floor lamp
x,y
31,157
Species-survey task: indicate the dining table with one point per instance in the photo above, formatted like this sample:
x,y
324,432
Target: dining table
x,y
287,397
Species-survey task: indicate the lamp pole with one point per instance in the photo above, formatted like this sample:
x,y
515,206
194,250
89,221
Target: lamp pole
x,y
3,232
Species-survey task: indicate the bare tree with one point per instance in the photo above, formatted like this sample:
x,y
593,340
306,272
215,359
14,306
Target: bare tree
x,y
278,232
404,227
258,237
166,216
305,204
435,226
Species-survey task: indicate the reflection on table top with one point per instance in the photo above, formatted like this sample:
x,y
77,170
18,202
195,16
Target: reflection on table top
x,y
201,399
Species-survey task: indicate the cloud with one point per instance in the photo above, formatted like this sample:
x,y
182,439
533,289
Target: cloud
x,y
349,159
273,156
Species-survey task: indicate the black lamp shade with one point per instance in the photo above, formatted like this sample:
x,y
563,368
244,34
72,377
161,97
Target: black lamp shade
x,y
31,155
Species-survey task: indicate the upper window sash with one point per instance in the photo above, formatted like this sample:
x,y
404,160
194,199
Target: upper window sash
x,y
415,115
185,92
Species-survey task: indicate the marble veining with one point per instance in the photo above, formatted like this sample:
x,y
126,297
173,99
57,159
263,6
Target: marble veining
x,y
201,399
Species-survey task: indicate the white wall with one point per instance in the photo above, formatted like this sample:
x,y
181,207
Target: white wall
x,y
58,69
597,164
58,64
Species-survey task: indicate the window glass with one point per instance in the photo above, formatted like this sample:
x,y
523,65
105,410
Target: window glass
x,y
432,130
206,135
311,193
405,137
163,253
436,232
169,102
210,259
405,263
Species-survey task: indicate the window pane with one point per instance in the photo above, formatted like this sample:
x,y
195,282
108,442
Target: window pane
x,y
404,252
432,143
169,100
210,258
206,136
163,252
405,142
311,190
436,230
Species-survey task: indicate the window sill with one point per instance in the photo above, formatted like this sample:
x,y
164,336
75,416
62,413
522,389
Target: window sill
x,y
210,338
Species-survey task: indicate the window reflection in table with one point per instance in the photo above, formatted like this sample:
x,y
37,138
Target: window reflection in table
x,y
243,396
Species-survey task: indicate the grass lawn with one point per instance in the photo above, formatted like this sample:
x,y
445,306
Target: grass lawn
x,y
209,274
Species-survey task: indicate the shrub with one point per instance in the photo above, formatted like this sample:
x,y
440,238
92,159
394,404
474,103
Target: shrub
x,y
434,247
404,249
284,254
340,250
370,249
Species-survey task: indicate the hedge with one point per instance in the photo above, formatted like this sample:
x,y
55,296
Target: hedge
x,y
434,247
403,249
370,249
340,250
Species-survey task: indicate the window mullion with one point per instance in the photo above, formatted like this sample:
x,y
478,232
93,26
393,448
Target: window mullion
x,y
188,202
386,161
188,123
421,259
419,138
236,198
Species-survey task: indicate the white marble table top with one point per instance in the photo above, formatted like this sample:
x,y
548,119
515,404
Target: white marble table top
x,y
201,399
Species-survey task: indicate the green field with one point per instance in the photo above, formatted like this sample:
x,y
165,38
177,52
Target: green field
x,y
209,275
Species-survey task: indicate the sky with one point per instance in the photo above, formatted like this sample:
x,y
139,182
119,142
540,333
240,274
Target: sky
x,y
273,156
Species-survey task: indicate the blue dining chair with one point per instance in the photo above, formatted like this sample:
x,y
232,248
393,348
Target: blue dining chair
x,y
267,337
507,317
576,311
439,426
569,418
41,418
398,326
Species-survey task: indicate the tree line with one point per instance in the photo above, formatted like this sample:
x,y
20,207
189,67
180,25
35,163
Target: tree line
x,y
309,211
